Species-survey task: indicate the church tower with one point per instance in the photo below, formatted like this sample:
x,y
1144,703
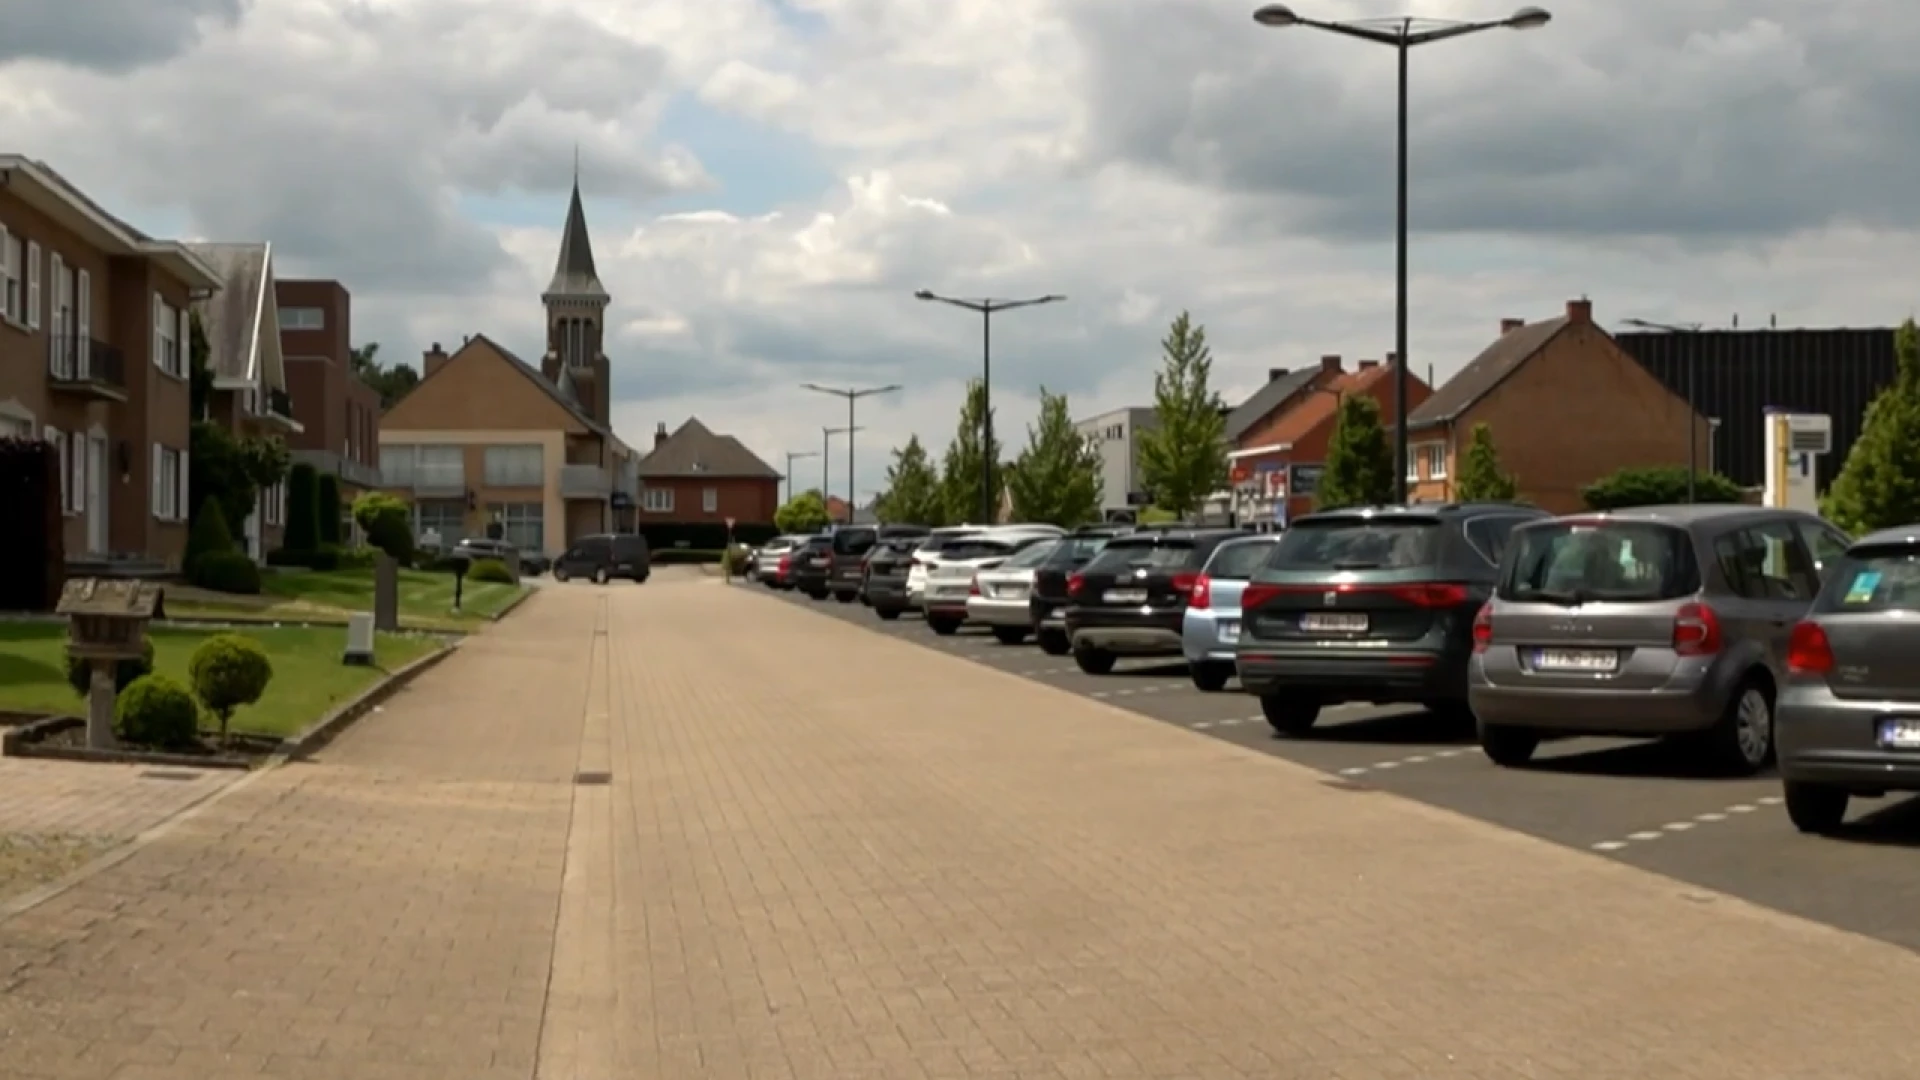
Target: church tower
x,y
576,305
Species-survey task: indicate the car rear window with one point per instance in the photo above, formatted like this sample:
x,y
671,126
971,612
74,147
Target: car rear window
x,y
853,541
1123,555
1579,562
1238,561
1079,548
1873,579
966,550
938,541
1030,556
1359,544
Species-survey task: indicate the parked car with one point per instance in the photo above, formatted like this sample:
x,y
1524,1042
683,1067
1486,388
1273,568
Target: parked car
x,y
1046,607
762,560
884,585
854,546
925,554
950,577
1210,629
1848,720
1372,604
1131,598
998,598
526,563
1655,621
811,566
605,557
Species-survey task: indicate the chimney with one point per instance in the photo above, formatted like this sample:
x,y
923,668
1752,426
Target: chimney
x,y
1275,374
1393,358
431,360
1369,365
1580,311
659,435
1330,364
1508,326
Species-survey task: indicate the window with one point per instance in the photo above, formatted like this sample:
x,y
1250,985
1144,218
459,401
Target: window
x,y
169,495
396,464
1874,579
514,466
12,287
1573,562
521,524
302,318
58,439
1489,535
441,466
1434,455
273,504
444,518
1827,545
1238,559
33,285
1123,555
1766,562
166,337
1356,543
657,500
709,500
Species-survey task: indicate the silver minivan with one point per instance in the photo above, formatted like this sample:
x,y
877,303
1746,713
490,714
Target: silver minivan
x,y
1654,621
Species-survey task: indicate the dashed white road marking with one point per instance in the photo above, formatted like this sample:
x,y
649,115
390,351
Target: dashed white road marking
x,y
1688,825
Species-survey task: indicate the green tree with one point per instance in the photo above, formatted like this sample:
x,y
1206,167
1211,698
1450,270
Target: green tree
x,y
960,477
208,535
391,381
387,523
1184,459
1879,486
232,470
1481,479
1056,479
303,509
199,374
1359,466
803,515
1656,485
913,488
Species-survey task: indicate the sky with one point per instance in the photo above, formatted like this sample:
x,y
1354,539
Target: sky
x,y
769,181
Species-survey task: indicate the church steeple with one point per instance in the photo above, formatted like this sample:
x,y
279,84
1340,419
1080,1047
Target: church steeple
x,y
576,304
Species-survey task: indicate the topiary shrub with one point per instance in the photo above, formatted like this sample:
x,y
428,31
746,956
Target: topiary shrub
x,y
80,672
327,510
209,535
303,504
229,671
388,523
491,570
225,572
156,711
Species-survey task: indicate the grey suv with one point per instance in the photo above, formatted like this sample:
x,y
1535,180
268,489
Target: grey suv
x,y
1655,621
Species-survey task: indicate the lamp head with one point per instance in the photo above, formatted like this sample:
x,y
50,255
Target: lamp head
x,y
925,294
1276,16
1529,18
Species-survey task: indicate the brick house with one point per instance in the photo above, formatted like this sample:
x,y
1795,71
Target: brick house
x,y
1566,406
1275,472
249,396
94,336
695,476
339,415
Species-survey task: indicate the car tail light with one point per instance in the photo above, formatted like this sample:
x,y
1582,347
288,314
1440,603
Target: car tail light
x,y
1074,582
973,587
1199,591
1483,628
1445,594
1696,631
1429,596
1808,650
786,563
1254,595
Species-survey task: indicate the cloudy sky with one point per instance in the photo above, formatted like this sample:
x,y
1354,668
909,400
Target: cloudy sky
x,y
768,181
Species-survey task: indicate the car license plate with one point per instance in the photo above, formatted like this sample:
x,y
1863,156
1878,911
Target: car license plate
x,y
1126,596
1334,622
1230,630
1010,592
1900,733
1575,660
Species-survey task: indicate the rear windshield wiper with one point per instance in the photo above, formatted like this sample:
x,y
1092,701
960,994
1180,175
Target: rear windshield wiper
x,y
1570,598
1347,565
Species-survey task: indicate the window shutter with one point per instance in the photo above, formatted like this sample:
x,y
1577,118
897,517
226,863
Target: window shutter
x,y
158,504
84,305
185,507
33,285
77,447
59,442
186,341
159,347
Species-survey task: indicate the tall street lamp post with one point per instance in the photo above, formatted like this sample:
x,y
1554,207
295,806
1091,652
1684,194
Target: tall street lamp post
x,y
1693,375
852,395
985,308
826,442
1402,33
792,456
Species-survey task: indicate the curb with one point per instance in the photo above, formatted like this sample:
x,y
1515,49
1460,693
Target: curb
x,y
526,593
324,730
16,744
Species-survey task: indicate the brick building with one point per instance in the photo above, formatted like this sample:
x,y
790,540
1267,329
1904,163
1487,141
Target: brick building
x,y
1275,470
695,476
339,415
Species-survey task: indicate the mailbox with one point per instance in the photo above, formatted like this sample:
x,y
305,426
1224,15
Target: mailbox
x,y
106,619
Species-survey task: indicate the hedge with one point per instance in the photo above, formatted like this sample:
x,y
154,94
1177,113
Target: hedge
x,y
34,549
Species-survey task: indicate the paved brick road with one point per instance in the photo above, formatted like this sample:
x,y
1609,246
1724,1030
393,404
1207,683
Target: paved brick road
x,y
829,854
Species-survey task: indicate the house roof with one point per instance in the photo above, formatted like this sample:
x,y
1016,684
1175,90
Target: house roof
x,y
695,451
108,230
241,320
574,273
1296,423
1266,399
532,374
1485,372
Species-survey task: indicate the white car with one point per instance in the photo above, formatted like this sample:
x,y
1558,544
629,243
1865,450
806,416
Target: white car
x,y
926,554
998,599
949,571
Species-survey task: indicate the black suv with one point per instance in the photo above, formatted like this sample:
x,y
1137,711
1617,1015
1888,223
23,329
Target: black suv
x,y
812,566
883,573
1371,604
1131,599
605,557
1046,604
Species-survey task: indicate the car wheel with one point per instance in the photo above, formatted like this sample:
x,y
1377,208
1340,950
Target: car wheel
x,y
600,576
816,594
1053,642
560,573
1094,661
1742,742
1210,677
1511,747
1010,635
1452,715
1289,716
890,614
844,597
1816,808
641,578
944,625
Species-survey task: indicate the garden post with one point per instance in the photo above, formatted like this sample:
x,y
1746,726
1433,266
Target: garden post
x,y
100,698
386,592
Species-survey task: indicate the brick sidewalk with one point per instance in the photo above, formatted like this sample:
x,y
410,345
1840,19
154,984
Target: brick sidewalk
x,y
829,854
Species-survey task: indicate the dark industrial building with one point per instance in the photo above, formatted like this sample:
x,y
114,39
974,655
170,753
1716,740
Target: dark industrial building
x,y
1742,373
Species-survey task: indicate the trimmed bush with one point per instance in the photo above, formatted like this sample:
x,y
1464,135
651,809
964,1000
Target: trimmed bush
x,y
491,570
80,672
229,671
327,510
388,523
32,547
303,504
225,572
157,711
209,535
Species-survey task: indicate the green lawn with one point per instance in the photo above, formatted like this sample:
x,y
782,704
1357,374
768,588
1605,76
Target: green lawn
x,y
308,678
426,600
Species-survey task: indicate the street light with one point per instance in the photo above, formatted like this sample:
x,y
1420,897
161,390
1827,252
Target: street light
x,y
1693,374
986,307
792,455
852,396
1402,33
826,440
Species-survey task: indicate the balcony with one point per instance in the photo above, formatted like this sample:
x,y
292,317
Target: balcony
x,y
348,470
279,410
86,367
585,482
